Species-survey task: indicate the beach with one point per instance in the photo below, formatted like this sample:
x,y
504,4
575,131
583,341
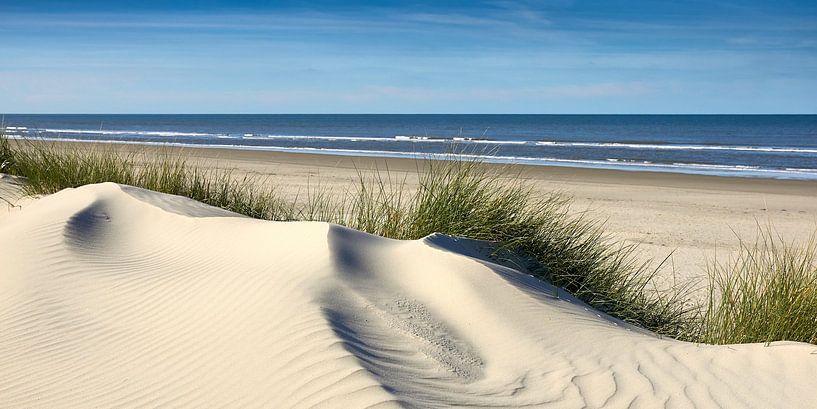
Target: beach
x,y
692,219
117,296
114,295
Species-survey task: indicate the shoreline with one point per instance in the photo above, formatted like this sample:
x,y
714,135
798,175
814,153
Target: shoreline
x,y
544,172
691,169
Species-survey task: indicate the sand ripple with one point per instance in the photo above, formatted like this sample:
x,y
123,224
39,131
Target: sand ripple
x,y
112,296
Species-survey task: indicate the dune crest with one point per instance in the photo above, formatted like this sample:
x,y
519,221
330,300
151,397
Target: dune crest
x,y
116,296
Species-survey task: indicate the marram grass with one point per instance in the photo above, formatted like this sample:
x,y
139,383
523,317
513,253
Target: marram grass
x,y
470,199
49,168
767,295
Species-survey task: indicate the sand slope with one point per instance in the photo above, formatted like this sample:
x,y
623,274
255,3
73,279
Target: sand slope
x,y
112,296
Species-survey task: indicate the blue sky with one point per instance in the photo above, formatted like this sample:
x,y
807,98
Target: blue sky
x,y
557,56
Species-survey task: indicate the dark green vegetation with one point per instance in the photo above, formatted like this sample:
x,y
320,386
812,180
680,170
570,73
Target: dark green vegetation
x,y
768,294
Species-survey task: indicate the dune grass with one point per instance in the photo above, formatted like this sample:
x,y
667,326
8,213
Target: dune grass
x,y
768,294
49,168
470,199
6,153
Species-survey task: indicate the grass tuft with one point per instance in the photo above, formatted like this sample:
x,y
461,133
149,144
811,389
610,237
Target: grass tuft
x,y
768,293
469,199
49,168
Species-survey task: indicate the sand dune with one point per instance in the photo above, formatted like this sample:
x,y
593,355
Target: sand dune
x,y
112,296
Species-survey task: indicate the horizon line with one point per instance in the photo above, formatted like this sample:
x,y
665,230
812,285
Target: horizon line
x,y
407,113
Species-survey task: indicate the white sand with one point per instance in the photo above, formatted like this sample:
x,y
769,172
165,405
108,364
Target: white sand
x,y
693,219
112,296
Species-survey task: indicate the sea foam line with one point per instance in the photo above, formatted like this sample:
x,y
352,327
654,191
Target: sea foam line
x,y
677,147
114,132
616,164
434,139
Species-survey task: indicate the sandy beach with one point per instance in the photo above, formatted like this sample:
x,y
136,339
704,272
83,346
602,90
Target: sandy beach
x,y
112,295
117,296
692,219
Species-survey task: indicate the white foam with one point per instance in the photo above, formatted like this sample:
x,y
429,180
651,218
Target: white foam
x,y
678,147
325,138
116,132
433,139
458,140
610,163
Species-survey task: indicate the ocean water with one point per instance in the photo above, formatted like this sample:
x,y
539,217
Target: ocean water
x,y
768,146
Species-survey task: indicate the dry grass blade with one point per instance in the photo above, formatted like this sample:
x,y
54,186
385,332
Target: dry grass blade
x,y
768,293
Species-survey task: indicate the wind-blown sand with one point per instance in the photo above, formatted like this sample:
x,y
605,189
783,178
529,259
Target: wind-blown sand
x,y
112,296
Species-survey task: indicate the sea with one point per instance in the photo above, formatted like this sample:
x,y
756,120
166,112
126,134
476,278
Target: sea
x,y
760,146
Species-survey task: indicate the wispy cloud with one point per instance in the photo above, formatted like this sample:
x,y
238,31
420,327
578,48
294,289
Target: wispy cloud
x,y
493,56
580,91
601,90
